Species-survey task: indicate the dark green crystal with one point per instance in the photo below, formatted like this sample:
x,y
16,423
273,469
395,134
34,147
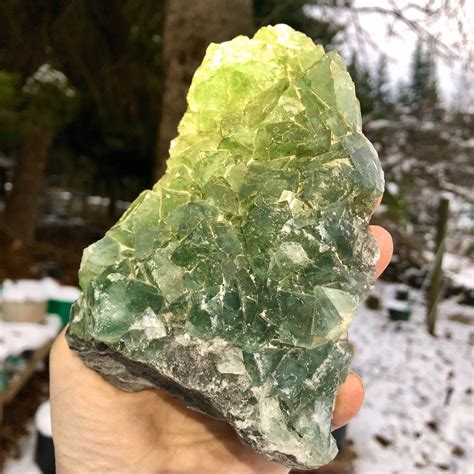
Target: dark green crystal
x,y
232,283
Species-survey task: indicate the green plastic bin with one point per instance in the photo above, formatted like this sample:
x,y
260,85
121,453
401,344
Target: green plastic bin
x,y
61,308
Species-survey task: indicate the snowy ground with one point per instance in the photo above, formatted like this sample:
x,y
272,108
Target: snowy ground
x,y
419,411
25,463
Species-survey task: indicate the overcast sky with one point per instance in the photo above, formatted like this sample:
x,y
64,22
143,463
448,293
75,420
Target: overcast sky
x,y
399,47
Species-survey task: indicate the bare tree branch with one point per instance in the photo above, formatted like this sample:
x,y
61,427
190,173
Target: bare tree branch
x,y
418,17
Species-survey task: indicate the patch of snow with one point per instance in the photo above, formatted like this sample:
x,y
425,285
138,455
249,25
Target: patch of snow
x,y
467,143
25,463
18,337
46,74
427,126
397,305
43,419
392,188
38,290
418,416
98,200
459,269
379,124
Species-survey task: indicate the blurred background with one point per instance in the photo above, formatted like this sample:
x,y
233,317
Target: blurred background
x,y
91,93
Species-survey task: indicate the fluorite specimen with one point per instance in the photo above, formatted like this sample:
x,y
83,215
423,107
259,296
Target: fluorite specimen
x,y
232,283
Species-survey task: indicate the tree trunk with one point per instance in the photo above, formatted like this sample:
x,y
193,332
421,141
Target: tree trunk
x,y
189,28
23,202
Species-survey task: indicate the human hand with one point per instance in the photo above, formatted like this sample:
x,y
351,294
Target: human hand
x,y
99,428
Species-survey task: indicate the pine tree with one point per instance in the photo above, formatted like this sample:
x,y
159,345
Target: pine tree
x,y
381,90
432,96
363,84
418,75
423,86
403,93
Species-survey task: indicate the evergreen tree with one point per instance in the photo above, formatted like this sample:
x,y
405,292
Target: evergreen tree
x,y
381,91
423,86
432,95
403,93
363,84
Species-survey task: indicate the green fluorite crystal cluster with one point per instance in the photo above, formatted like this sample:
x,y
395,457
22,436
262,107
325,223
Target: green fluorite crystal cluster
x,y
233,281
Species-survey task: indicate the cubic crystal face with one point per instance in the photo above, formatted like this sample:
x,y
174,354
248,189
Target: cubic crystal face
x,y
233,281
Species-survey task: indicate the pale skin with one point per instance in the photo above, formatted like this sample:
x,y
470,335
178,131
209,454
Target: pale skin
x,y
98,428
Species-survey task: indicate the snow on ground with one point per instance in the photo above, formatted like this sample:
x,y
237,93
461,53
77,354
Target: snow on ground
x,y
19,337
418,416
37,290
459,270
25,463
